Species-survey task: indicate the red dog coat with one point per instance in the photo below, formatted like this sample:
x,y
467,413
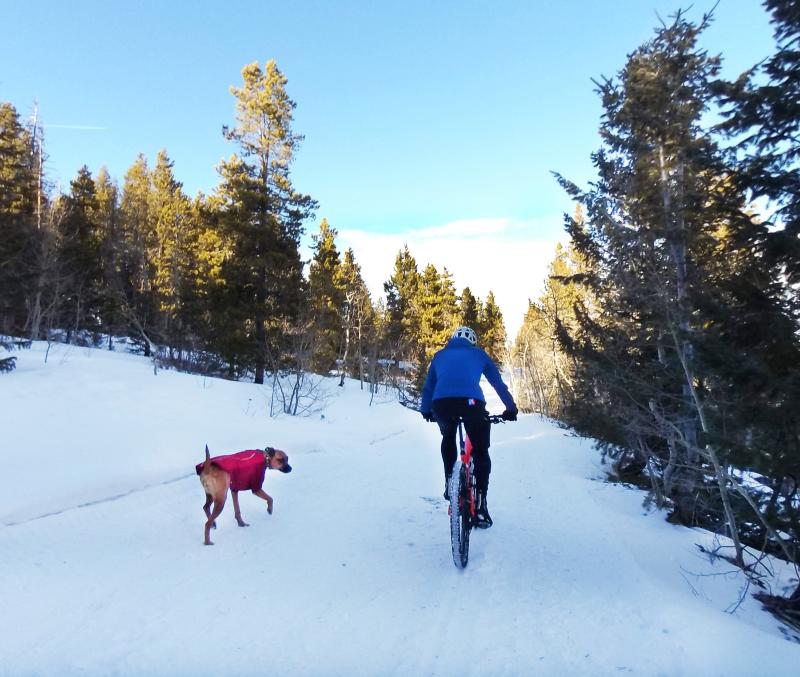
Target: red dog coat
x,y
246,468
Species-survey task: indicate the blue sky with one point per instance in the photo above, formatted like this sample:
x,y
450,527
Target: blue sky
x,y
431,123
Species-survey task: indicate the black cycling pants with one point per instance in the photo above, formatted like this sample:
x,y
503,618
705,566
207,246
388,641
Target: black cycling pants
x,y
447,411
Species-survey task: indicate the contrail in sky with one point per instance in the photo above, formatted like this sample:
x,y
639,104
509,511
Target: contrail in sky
x,y
90,128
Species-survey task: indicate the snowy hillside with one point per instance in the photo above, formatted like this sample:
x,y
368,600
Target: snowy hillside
x,y
103,571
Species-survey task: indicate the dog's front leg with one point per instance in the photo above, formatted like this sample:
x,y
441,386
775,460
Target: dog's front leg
x,y
236,512
263,494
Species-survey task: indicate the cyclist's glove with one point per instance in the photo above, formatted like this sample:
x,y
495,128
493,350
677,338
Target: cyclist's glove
x,y
428,416
510,415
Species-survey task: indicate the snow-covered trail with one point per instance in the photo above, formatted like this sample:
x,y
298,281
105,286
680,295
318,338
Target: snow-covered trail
x,y
352,574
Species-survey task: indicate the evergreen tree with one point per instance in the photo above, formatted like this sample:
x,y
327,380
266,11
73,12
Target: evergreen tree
x,y
326,299
450,311
765,119
108,233
438,317
80,256
492,336
7,363
377,366
207,302
646,214
17,171
402,314
134,274
543,377
19,239
170,212
675,349
261,217
532,381
469,309
438,313
358,320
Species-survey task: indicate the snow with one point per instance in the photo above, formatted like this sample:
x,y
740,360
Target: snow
x,y
103,571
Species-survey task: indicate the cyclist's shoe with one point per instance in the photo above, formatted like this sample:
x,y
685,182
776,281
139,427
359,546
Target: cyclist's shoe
x,y
446,488
482,518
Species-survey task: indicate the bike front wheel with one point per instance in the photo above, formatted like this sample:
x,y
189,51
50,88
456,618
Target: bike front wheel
x,y
460,518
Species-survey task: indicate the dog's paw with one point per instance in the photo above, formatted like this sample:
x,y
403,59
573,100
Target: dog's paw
x,y
242,523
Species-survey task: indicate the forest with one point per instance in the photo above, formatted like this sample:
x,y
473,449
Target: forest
x,y
215,284
668,325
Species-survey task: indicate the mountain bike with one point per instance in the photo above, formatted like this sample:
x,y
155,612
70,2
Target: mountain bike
x,y
463,495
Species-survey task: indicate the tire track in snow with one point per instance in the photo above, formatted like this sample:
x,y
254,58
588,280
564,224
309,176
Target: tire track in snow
x,y
99,501
385,437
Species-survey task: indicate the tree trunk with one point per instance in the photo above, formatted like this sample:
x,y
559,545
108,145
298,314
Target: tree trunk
x,y
346,349
360,354
36,315
260,330
687,466
719,471
261,282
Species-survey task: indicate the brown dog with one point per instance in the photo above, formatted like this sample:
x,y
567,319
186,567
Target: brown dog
x,y
237,472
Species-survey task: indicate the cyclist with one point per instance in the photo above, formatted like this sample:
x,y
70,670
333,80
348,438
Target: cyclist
x,y
452,390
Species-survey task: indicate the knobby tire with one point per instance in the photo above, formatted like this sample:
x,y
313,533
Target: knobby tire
x,y
459,515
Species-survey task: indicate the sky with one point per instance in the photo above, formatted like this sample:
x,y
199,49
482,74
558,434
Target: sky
x,y
432,124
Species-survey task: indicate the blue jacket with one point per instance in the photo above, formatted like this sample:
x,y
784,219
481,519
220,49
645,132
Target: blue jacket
x,y
456,371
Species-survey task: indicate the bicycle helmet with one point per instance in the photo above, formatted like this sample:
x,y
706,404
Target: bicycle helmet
x,y
466,333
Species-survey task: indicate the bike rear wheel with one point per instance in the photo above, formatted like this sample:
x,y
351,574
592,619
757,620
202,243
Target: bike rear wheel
x,y
460,518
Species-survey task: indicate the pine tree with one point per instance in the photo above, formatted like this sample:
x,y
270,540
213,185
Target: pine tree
x,y
764,117
108,233
80,255
438,317
326,299
645,216
170,211
543,373
469,309
492,336
358,319
432,301
17,173
649,137
756,348
402,314
676,332
377,364
207,301
261,217
532,380
134,275
7,363
449,309
19,239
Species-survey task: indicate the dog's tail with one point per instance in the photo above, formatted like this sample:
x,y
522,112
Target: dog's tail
x,y
208,459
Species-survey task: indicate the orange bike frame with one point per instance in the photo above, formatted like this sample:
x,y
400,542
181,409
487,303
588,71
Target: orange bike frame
x,y
465,445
